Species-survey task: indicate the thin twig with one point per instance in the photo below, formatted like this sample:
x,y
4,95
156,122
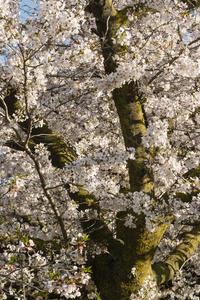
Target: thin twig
x,y
22,282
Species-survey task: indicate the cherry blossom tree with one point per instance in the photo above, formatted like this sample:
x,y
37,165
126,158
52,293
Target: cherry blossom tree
x,y
100,150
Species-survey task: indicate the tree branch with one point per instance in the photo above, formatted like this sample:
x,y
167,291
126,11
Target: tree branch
x,y
166,270
61,154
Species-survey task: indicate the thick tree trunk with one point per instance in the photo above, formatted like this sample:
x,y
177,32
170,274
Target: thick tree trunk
x,y
138,245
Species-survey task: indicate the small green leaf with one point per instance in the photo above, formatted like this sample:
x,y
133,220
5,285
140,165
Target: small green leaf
x,y
87,270
51,275
12,260
86,237
98,296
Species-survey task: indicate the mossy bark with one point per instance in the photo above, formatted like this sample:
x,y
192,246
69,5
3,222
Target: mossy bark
x,y
166,270
60,151
128,101
139,244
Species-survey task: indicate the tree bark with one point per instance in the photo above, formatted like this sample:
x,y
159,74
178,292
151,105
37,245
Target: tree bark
x,y
166,270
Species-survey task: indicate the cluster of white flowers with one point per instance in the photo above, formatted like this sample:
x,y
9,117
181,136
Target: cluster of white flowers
x,y
156,135
147,291
67,283
92,171
56,64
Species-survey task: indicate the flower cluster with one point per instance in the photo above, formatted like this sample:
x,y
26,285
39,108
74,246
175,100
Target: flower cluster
x,y
53,77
